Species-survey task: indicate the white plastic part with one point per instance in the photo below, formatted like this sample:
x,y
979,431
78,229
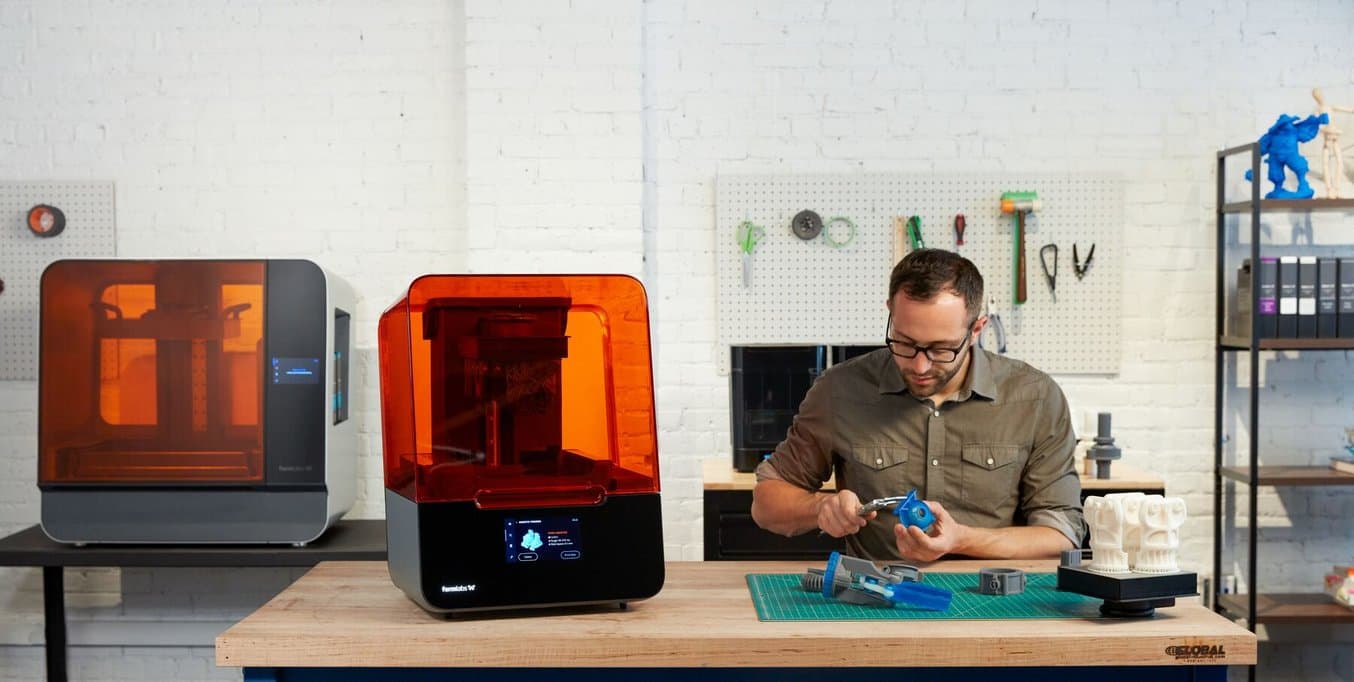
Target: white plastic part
x,y
1132,504
1161,521
1106,519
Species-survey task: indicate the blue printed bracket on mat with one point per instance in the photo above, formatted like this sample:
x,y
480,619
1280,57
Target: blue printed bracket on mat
x,y
779,597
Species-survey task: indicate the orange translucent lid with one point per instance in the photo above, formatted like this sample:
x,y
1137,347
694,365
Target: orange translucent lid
x,y
518,390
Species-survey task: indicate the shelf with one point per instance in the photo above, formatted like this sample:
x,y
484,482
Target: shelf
x,y
1288,608
1270,205
1282,475
1243,343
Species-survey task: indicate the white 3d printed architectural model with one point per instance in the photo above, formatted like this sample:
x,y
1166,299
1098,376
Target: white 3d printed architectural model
x,y
1133,532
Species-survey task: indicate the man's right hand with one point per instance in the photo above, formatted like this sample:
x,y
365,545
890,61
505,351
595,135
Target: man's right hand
x,y
837,514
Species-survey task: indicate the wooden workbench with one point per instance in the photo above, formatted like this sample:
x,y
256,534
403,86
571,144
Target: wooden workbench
x,y
349,614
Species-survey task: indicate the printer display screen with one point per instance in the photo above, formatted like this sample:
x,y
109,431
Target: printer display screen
x,y
541,538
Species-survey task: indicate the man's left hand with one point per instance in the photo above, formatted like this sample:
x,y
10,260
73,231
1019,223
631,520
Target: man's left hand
x,y
946,537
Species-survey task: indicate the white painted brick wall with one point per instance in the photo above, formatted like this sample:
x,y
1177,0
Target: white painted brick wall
x,y
257,129
582,136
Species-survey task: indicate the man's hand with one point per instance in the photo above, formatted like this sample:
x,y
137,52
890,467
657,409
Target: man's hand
x,y
951,537
947,535
837,514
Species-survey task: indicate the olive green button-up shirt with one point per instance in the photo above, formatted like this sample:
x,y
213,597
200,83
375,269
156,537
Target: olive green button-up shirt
x,y
997,454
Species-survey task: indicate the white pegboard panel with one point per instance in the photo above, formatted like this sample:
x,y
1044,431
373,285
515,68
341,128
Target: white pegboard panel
x,y
90,233
807,292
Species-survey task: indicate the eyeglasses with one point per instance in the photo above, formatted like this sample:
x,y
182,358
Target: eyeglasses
x,y
904,349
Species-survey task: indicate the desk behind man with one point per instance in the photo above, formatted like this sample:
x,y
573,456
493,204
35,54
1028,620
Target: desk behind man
x,y
985,439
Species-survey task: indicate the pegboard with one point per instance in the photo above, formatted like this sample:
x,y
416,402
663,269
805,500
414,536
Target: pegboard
x,y
808,292
90,233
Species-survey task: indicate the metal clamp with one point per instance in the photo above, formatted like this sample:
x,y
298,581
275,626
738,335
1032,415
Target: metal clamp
x,y
1001,581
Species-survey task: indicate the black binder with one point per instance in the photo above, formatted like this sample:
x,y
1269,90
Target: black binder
x,y
1327,298
1307,297
1288,297
1345,298
1269,300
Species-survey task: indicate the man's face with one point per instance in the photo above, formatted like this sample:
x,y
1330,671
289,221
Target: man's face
x,y
936,327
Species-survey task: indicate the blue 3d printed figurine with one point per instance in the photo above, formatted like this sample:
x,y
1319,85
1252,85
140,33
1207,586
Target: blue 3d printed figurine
x,y
1279,146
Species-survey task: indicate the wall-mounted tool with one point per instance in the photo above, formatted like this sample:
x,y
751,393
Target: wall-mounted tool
x,y
914,233
1050,275
749,235
46,221
899,238
806,225
1079,266
1019,204
839,220
996,330
959,225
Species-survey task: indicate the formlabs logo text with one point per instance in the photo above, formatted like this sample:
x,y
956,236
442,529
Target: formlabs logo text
x,y
458,588
1196,651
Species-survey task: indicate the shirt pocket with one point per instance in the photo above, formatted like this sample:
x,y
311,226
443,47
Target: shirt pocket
x,y
990,472
878,457
876,470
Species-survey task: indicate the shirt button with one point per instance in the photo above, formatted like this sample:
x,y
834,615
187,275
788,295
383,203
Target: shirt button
x,y
936,413
879,460
989,461
935,462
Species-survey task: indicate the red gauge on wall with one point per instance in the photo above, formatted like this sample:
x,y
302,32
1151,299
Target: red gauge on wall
x,y
46,221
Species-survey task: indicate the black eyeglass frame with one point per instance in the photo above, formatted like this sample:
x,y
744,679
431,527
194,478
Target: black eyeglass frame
x,y
926,350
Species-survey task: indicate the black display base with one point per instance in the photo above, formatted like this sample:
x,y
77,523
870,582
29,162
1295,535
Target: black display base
x,y
1128,595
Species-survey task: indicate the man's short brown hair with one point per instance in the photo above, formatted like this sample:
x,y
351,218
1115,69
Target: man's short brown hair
x,y
925,273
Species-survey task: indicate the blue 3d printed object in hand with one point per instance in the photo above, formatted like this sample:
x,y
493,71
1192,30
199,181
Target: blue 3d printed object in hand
x,y
1279,146
914,512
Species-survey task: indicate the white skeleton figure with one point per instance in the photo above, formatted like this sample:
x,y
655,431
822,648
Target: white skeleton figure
x,y
1332,157
1161,521
1132,504
1106,519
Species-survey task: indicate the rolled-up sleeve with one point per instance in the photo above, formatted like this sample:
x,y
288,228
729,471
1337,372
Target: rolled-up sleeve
x,y
804,457
1050,491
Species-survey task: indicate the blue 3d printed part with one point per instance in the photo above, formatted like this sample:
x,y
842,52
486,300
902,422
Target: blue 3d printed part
x,y
857,581
1279,146
914,512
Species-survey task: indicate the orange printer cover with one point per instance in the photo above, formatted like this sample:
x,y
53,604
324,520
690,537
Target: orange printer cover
x,y
518,390
150,372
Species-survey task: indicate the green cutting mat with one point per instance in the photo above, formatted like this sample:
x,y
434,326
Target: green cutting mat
x,y
779,597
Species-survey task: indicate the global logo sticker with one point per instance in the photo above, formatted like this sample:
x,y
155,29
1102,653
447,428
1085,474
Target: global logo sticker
x,y
1193,652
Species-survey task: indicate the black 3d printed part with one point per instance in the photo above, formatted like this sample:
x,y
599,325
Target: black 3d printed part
x,y
806,224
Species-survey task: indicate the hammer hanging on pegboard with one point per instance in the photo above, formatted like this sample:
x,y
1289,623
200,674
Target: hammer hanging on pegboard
x,y
1019,203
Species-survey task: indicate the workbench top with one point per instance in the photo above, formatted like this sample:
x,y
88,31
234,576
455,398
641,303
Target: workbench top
x,y
343,614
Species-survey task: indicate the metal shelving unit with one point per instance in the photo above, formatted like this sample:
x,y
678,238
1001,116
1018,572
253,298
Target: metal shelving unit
x,y
1261,607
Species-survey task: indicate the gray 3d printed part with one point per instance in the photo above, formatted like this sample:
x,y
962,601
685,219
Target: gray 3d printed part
x,y
1001,581
806,224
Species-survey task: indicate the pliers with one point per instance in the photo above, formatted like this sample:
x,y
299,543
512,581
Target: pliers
x,y
880,503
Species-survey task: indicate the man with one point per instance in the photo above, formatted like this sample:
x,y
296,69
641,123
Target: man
x,y
986,440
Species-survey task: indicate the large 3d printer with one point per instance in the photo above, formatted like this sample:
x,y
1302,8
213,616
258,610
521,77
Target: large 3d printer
x,y
194,401
521,459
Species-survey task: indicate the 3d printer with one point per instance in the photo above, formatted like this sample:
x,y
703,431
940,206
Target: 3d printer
x,y
185,401
521,460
